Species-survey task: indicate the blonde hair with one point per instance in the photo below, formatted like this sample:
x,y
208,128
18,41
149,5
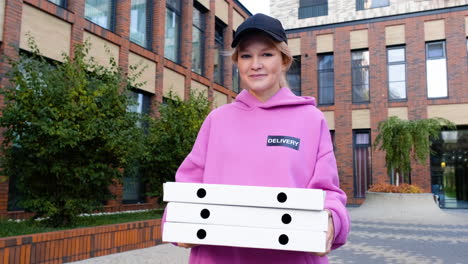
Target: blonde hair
x,y
286,56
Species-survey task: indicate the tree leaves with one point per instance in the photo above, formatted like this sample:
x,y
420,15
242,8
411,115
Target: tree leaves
x,y
403,140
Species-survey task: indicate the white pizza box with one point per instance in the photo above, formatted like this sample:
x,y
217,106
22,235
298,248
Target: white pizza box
x,y
275,197
250,237
246,216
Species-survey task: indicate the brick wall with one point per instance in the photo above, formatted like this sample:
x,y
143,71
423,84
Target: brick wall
x,y
343,110
417,102
78,244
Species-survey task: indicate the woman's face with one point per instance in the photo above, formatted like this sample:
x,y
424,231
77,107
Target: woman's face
x,y
260,66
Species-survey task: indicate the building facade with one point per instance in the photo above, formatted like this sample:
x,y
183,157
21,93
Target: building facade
x,y
367,60
179,41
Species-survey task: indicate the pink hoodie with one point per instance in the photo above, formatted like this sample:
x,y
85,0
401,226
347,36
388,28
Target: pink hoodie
x,y
284,142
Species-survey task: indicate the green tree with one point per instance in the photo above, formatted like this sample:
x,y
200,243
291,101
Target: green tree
x,y
171,137
67,132
403,140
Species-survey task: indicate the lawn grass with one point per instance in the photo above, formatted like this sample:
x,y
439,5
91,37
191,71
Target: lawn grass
x,y
12,228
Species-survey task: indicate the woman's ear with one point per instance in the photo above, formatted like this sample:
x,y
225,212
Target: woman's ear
x,y
284,65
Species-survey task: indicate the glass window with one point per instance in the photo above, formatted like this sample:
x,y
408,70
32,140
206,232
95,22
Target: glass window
x,y
436,70
362,163
235,79
312,8
368,4
396,73
142,102
133,185
293,76
360,76
61,3
15,196
140,21
396,54
100,12
172,40
219,58
326,79
198,46
435,50
174,4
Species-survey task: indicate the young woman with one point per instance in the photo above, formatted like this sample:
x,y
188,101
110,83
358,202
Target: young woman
x,y
236,143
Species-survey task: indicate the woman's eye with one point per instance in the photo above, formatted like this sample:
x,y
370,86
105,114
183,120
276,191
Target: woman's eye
x,y
267,54
245,56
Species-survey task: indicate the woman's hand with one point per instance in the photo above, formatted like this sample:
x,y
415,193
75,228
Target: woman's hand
x,y
330,235
185,245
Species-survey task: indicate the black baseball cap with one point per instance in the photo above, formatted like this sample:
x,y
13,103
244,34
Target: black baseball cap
x,y
262,23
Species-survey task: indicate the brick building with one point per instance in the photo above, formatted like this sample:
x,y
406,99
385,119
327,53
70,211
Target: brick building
x,y
366,60
179,41
363,60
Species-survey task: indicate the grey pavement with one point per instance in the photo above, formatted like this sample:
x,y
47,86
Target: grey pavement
x,y
162,254
406,242
371,241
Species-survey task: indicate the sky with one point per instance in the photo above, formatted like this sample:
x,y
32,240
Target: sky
x,y
257,6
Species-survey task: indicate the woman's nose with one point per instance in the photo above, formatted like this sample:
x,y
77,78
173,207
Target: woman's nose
x,y
256,63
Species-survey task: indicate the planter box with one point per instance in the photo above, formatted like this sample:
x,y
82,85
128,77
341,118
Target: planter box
x,y
399,206
81,243
408,198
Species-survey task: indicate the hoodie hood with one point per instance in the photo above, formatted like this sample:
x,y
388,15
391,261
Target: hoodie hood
x,y
284,97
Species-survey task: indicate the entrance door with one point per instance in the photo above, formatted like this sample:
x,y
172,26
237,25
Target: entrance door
x,y
362,162
449,169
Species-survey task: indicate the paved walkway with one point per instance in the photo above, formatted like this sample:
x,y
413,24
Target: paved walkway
x,y
406,242
370,242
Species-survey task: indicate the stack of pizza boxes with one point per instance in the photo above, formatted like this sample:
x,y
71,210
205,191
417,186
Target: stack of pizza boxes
x,y
245,216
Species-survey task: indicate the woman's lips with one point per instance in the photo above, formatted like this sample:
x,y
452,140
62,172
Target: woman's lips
x,y
257,75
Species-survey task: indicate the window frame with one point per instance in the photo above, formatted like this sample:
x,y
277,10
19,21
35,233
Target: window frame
x,y
145,104
63,3
179,14
220,25
332,137
113,14
309,6
296,63
360,5
388,73
318,77
203,11
235,79
355,132
352,78
444,50
149,25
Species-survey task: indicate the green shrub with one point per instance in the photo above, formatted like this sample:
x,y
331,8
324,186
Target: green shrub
x,y
67,133
171,137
